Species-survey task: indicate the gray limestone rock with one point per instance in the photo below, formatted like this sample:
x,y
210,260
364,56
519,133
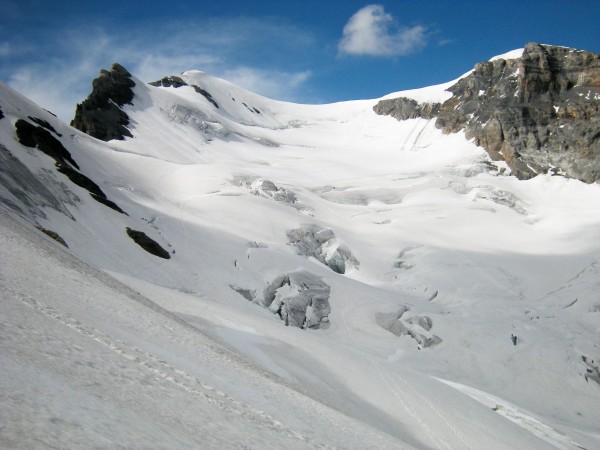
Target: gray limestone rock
x,y
403,108
100,114
540,112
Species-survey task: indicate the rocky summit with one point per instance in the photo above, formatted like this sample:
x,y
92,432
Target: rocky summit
x,y
100,115
539,112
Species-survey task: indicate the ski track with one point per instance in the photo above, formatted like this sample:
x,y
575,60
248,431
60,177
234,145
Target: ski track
x,y
404,400
518,417
162,370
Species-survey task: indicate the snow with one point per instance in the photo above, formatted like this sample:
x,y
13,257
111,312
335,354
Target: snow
x,y
107,344
513,54
432,94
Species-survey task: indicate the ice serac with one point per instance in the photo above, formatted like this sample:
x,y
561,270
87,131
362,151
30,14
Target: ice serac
x,y
322,244
300,298
100,114
539,112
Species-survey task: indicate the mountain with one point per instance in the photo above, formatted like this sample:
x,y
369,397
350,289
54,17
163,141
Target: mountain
x,y
193,265
536,109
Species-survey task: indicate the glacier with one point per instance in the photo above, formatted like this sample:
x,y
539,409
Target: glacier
x,y
446,257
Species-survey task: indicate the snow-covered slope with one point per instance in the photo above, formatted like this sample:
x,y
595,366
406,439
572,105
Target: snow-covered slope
x,y
452,305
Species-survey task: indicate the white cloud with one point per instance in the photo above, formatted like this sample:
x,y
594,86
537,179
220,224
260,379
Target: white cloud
x,y
61,73
269,83
371,31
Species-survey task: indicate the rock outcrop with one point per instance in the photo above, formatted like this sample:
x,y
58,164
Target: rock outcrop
x,y
41,138
539,112
147,243
403,108
177,82
100,115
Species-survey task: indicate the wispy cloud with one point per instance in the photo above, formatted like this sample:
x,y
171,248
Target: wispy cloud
x,y
373,32
270,83
59,69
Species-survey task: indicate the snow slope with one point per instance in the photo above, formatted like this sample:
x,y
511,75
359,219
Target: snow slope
x,y
469,255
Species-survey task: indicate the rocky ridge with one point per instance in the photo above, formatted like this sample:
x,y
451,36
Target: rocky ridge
x,y
100,114
540,112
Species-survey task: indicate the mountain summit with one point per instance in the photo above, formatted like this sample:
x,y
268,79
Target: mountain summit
x,y
538,111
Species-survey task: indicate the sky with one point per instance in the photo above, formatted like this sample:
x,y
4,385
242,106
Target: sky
x,y
302,51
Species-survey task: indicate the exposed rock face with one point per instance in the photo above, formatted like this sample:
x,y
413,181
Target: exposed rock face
x,y
147,243
539,112
403,108
300,298
100,115
39,137
172,81
53,234
176,82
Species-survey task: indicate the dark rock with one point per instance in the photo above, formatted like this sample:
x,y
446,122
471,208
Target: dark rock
x,y
206,95
1,114
176,82
246,293
43,123
53,234
100,115
592,371
148,244
37,137
95,192
300,298
171,81
540,112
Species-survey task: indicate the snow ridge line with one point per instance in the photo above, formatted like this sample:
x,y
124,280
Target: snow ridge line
x,y
162,370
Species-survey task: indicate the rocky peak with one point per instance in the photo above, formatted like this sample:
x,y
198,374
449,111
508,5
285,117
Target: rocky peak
x,y
539,112
100,114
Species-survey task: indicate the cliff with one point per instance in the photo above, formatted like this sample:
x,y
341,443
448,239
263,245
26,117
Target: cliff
x,y
539,112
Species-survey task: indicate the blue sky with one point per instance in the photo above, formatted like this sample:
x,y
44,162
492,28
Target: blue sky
x,y
304,51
